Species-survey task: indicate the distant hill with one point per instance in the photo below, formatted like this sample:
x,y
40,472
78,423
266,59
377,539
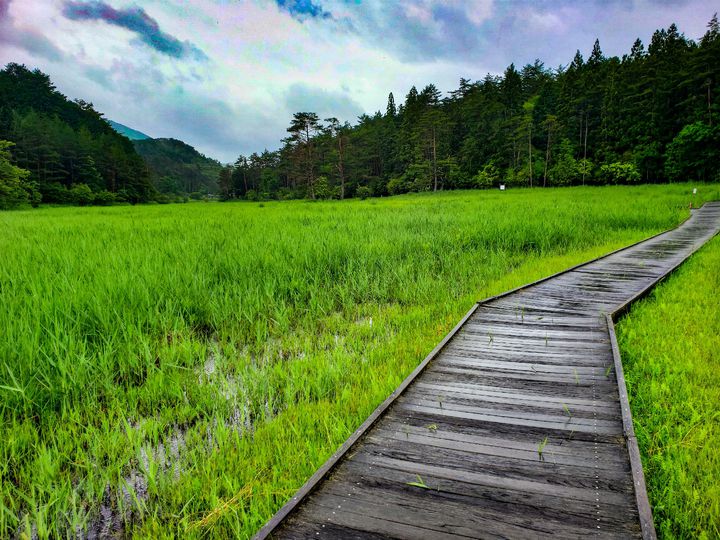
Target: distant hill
x,y
176,167
130,133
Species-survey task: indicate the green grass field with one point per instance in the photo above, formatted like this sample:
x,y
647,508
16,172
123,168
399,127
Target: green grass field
x,y
671,354
181,370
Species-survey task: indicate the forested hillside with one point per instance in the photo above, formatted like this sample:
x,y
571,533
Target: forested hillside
x,y
177,168
650,116
72,154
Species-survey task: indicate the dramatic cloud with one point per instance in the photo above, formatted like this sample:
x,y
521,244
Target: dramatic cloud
x,y
302,97
29,39
136,20
267,59
424,30
303,8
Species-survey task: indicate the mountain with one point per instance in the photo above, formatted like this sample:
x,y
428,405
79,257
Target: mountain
x,y
130,133
176,167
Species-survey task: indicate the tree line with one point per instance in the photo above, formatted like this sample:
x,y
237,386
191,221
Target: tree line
x,y
650,116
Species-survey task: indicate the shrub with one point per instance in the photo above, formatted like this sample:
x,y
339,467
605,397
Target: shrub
x,y
397,185
162,198
15,188
285,194
694,153
363,192
619,173
584,169
323,189
565,169
81,194
487,177
103,198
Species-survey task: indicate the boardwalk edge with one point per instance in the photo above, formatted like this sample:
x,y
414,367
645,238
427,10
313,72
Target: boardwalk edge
x,y
644,511
643,503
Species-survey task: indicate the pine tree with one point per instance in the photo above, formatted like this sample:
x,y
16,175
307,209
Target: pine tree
x,y
391,110
303,128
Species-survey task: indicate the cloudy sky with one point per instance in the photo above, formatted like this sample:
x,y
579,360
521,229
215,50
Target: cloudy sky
x,y
226,75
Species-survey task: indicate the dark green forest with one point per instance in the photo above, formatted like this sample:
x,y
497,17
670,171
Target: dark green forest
x,y
651,116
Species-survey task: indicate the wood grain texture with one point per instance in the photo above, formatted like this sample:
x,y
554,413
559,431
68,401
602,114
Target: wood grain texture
x,y
516,425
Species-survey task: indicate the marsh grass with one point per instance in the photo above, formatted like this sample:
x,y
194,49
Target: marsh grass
x,y
419,482
187,368
541,449
669,344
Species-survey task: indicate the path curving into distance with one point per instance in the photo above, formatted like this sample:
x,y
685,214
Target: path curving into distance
x,y
516,425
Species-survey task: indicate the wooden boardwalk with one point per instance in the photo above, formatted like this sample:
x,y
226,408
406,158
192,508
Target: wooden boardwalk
x,y
516,425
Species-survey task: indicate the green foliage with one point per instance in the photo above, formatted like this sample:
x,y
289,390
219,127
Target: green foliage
x,y
363,192
204,351
619,173
15,188
81,194
104,198
695,153
670,345
397,185
88,174
585,168
419,177
487,177
323,189
566,169
225,183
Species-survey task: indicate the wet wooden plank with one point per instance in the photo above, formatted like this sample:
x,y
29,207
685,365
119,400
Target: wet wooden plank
x,y
444,511
543,468
562,451
507,448
519,508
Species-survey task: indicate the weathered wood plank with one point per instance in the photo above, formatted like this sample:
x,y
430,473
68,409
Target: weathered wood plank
x,y
440,438
555,423
544,468
506,507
